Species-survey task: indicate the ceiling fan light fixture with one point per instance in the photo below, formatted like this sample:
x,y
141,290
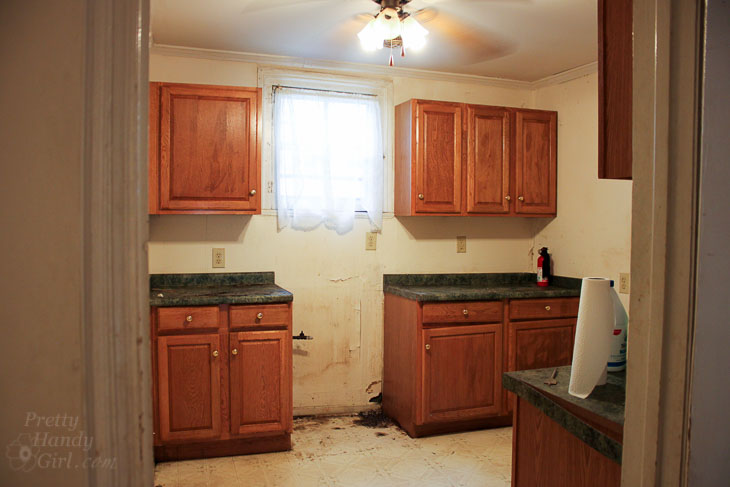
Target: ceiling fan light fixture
x,y
413,34
369,38
387,24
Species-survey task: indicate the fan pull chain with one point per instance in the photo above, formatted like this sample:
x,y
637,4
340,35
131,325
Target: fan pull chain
x,y
390,63
402,50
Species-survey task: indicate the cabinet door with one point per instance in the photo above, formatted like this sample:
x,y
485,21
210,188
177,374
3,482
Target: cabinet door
x,y
536,140
209,150
438,158
189,384
261,382
488,159
541,344
538,345
461,372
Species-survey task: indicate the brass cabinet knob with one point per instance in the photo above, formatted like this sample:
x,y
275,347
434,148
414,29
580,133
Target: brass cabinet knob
x,y
215,353
508,197
252,192
547,308
428,347
260,315
189,318
420,196
466,312
521,198
234,351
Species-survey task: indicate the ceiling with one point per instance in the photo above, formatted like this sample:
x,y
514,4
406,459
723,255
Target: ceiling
x,y
513,39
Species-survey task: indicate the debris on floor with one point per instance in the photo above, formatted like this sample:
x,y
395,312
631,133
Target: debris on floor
x,y
374,418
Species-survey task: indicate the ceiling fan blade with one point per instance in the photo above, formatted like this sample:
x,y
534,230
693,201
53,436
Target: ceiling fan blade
x,y
255,7
471,43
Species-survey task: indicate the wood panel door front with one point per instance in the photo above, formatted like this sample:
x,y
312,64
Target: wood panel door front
x,y
189,387
541,344
438,159
261,382
536,142
209,151
488,159
461,370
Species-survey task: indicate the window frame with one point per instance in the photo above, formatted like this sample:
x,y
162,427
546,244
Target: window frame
x,y
381,88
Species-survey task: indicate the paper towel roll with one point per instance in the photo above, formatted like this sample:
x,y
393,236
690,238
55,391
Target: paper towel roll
x,y
592,336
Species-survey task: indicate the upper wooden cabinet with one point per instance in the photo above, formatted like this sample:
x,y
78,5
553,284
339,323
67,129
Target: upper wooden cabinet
x,y
615,68
536,162
488,159
204,149
459,159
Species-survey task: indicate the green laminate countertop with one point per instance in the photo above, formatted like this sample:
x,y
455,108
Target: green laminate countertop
x,y
216,288
606,401
477,287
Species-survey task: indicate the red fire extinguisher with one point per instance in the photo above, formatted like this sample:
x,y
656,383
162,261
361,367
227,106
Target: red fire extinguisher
x,y
543,267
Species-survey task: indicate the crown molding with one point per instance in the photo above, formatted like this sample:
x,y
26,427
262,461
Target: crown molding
x,y
368,69
562,77
339,66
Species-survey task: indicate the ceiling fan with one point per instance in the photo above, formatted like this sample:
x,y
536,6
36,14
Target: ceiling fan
x,y
393,27
405,25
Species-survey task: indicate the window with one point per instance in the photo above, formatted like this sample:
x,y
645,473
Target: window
x,y
326,152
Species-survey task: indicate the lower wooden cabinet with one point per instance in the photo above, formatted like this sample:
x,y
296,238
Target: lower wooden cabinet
x,y
189,379
222,386
462,367
443,361
260,382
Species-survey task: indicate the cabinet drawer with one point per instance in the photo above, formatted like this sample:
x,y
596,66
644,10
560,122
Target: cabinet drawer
x,y
170,319
260,315
463,312
530,309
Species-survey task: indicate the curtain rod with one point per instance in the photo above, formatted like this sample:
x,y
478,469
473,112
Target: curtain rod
x,y
326,91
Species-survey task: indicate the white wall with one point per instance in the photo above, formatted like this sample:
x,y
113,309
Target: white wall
x,y
41,94
337,285
591,235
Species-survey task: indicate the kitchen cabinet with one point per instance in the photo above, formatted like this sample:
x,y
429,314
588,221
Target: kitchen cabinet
x,y
536,162
428,135
443,361
222,380
260,381
541,334
615,90
461,159
204,149
462,367
190,383
488,159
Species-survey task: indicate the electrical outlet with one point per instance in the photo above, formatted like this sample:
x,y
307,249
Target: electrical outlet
x,y
624,283
461,245
371,240
219,257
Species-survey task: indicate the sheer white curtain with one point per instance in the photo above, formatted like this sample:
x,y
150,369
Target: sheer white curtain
x,y
328,155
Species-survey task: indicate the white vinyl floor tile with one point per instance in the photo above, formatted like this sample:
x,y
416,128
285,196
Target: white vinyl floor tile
x,y
336,451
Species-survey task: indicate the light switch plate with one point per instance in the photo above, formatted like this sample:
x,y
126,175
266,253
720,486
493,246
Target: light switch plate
x,y
371,241
461,245
624,283
219,257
